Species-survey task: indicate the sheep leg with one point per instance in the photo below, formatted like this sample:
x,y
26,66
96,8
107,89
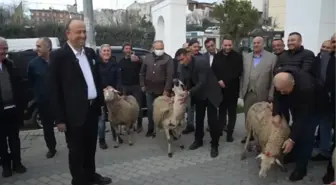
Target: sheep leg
x,y
130,132
181,143
117,133
170,154
280,164
243,155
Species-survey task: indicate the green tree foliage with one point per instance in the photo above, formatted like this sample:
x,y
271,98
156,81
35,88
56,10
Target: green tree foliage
x,y
237,18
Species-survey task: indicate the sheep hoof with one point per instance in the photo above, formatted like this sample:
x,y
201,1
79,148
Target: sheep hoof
x,y
130,144
182,146
170,155
243,156
116,146
249,148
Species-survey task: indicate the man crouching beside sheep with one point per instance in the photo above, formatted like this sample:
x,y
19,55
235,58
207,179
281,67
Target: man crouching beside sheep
x,y
295,91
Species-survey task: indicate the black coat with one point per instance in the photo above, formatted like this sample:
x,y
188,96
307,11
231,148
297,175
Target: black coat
x,y
69,101
17,89
200,80
321,91
330,80
299,59
228,68
109,73
301,102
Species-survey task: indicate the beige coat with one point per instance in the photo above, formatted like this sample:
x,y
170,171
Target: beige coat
x,y
264,86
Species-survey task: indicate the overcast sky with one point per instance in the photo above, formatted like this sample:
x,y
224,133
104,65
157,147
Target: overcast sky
x,y
61,4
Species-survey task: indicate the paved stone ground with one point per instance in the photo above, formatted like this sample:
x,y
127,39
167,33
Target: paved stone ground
x,y
146,163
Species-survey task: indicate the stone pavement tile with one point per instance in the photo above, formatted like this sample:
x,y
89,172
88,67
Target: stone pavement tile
x,y
147,163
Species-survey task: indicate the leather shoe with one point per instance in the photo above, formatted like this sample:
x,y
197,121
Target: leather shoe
x,y
297,175
51,154
229,138
214,152
195,145
188,130
7,172
100,180
19,168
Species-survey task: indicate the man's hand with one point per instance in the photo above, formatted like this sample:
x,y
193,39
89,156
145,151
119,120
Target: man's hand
x,y
276,120
165,93
61,127
134,58
288,146
221,83
184,98
143,89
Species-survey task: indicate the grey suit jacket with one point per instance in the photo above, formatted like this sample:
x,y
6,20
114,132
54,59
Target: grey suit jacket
x,y
264,86
204,80
206,56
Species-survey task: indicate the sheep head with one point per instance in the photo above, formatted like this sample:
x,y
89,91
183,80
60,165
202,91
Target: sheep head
x,y
267,160
110,94
178,88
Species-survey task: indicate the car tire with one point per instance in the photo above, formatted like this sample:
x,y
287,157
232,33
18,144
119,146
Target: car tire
x,y
36,119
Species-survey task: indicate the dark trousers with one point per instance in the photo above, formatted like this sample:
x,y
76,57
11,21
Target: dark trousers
x,y
48,125
228,108
303,147
135,90
150,97
82,142
9,138
213,122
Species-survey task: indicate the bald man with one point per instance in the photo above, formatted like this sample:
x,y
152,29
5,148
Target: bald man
x,y
256,79
330,85
77,101
295,91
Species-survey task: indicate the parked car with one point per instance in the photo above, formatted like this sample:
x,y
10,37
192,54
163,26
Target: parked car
x,y
21,59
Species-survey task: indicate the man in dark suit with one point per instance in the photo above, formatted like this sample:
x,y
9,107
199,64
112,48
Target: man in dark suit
x,y
227,66
205,93
77,101
37,76
11,114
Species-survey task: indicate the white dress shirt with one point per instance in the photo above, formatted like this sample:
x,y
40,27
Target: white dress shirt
x,y
211,58
87,73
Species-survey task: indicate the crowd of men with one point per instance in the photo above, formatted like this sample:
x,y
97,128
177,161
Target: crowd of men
x,y
68,86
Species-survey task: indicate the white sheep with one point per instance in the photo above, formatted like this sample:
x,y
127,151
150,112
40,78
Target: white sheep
x,y
269,137
168,114
123,111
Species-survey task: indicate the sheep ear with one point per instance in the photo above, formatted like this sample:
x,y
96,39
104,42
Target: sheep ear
x,y
114,90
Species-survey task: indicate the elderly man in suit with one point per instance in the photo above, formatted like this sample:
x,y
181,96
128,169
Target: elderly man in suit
x,y
77,101
256,80
205,93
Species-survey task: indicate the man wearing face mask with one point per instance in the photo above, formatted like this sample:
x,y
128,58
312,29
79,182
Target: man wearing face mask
x,y
130,66
323,112
205,93
156,79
